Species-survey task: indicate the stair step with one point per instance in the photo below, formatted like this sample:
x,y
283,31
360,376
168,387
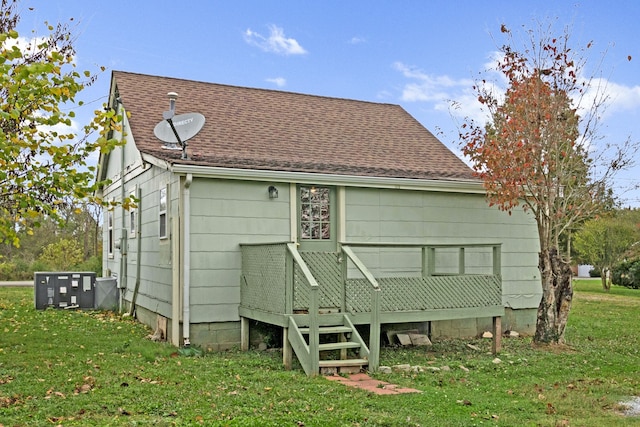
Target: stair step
x,y
329,330
338,345
341,363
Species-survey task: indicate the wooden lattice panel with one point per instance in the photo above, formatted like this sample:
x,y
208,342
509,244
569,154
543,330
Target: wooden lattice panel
x,y
326,270
430,293
263,274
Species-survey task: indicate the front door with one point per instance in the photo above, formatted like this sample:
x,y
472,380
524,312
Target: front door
x,y
316,218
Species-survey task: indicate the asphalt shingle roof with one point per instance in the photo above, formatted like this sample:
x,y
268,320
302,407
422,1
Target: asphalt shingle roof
x,y
274,130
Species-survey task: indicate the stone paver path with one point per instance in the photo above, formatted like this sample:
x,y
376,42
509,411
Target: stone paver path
x,y
365,382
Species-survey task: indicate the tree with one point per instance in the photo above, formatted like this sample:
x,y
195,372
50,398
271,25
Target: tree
x,y
63,255
604,241
537,151
44,164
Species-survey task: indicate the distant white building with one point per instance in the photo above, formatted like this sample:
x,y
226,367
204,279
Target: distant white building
x,y
584,269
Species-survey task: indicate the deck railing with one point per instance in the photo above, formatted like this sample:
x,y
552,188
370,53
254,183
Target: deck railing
x,y
278,279
374,324
448,281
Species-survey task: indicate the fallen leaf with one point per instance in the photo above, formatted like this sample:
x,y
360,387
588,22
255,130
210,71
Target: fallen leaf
x,y
550,409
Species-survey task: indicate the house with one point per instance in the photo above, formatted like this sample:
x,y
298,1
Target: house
x,y
282,206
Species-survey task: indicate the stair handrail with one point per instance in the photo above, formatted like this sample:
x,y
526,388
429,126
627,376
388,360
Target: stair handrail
x,y
374,329
314,334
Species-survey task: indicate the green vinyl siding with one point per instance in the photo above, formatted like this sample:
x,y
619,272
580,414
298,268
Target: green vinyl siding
x,y
225,213
382,215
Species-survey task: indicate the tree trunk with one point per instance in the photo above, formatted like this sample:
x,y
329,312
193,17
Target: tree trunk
x,y
604,278
557,294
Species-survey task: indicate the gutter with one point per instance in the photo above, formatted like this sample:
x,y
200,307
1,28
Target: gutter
x,y
471,186
186,256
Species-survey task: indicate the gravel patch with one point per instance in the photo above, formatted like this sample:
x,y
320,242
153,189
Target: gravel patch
x,y
632,407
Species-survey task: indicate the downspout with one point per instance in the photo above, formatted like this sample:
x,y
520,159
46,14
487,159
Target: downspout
x,y
138,252
123,230
186,256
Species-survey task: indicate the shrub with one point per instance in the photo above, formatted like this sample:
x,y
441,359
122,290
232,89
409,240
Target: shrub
x,y
627,273
62,255
92,264
16,269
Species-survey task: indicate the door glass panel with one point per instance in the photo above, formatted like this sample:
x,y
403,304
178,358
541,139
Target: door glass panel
x,y
315,217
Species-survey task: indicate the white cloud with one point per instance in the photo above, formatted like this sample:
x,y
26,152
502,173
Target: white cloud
x,y
278,81
276,42
357,40
24,43
28,45
444,92
619,97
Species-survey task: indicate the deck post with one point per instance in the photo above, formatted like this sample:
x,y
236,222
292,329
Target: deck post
x,y
244,333
289,283
497,335
374,331
314,336
344,268
431,261
497,261
287,350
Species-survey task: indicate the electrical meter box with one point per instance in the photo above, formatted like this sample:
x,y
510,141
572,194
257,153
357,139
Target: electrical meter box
x,y
65,289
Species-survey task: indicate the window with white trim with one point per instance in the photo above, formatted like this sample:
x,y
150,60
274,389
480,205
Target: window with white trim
x,y
110,233
162,213
133,218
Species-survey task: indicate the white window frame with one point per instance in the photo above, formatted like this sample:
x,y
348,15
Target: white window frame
x,y
110,232
163,193
133,217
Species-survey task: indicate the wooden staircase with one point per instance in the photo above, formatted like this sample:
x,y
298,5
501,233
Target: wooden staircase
x,y
338,347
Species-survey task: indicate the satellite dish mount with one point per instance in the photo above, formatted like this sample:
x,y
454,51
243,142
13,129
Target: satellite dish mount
x,y
176,130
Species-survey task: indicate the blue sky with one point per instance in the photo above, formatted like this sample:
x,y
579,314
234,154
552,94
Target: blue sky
x,y
418,54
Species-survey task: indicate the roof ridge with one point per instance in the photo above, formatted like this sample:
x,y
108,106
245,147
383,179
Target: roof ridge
x,y
255,88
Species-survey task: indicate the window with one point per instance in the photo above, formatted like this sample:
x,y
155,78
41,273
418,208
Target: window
x,y
133,219
162,215
110,235
132,225
315,213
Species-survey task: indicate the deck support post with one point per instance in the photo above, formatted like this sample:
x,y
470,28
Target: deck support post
x,y
374,331
287,350
244,334
497,335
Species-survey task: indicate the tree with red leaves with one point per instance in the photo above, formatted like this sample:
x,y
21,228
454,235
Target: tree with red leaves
x,y
538,151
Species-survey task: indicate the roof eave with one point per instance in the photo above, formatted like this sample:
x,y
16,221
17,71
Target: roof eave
x,y
443,185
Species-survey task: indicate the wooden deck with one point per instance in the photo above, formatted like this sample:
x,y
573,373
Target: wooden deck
x,y
363,283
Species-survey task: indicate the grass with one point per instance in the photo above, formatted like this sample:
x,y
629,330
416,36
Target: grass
x,y
97,369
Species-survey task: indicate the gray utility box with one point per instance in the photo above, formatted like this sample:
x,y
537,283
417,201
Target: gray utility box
x,y
106,293
65,289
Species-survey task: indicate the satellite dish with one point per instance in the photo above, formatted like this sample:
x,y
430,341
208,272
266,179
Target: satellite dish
x,y
186,125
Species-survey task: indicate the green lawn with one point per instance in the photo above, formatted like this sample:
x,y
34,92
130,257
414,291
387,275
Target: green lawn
x,y
73,368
